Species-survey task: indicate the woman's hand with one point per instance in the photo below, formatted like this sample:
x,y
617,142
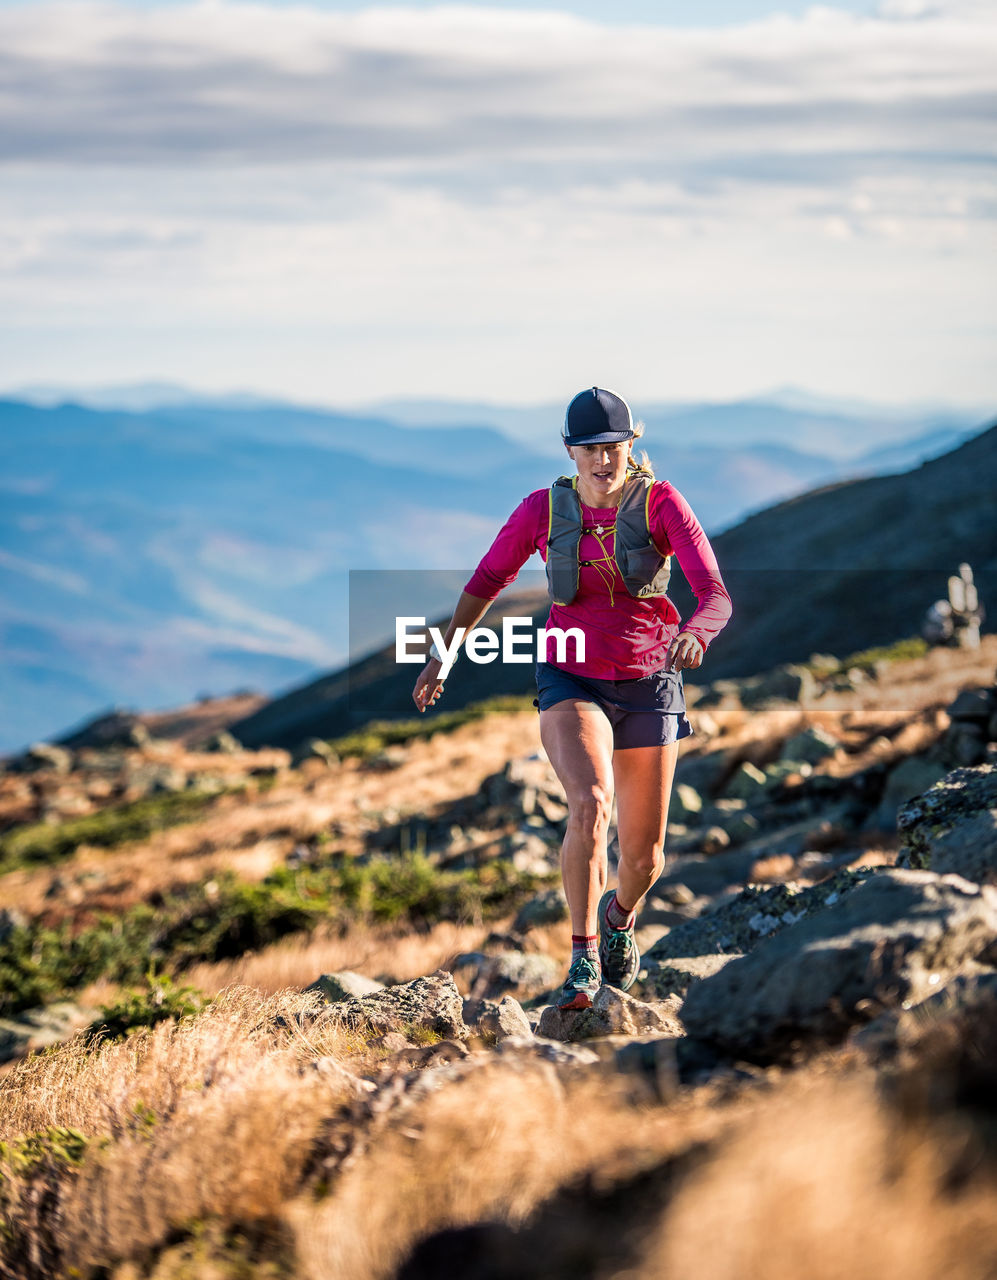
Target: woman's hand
x,y
686,650
429,686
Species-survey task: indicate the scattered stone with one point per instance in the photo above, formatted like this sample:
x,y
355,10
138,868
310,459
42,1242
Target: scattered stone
x,y
895,938
952,828
41,1028
612,1013
428,1055
499,1021
787,683
530,853
548,907
223,742
787,770
46,755
731,814
810,745
714,840
155,779
389,758
748,783
679,894
344,985
341,1079
433,1003
314,749
560,1054
390,1042
686,803
705,773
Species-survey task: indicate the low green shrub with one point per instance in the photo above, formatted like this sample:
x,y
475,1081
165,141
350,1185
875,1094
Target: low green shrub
x,y
160,1000
45,842
225,917
899,651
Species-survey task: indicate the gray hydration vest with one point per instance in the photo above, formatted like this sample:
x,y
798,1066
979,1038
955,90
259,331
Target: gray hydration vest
x,y
644,569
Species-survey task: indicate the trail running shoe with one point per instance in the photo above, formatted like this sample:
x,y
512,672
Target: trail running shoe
x,y
581,984
618,952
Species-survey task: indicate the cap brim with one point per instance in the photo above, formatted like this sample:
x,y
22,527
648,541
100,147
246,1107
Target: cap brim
x,y
601,437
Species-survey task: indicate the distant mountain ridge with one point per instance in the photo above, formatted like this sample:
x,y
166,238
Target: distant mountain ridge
x,y
148,556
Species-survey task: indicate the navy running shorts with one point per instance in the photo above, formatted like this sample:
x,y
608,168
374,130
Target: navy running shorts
x,y
649,712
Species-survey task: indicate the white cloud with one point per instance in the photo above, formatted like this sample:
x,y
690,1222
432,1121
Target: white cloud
x,y
331,202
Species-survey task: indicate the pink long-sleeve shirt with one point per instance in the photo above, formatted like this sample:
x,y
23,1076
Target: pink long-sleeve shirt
x,y
625,638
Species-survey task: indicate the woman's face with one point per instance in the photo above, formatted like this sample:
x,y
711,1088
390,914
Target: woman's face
x,y
602,468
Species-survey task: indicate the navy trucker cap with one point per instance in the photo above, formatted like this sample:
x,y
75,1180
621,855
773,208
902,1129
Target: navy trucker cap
x,y
597,416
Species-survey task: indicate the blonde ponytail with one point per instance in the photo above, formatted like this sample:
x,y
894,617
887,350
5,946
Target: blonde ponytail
x,y
642,462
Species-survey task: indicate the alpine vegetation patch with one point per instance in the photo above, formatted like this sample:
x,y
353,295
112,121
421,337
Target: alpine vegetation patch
x,y
520,641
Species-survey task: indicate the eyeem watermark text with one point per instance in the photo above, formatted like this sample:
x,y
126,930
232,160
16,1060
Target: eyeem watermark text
x,y
519,643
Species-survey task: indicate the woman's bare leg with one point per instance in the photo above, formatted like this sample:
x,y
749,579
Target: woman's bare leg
x,y
643,777
578,739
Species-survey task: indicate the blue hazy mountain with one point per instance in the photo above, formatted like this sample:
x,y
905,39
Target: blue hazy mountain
x,y
203,544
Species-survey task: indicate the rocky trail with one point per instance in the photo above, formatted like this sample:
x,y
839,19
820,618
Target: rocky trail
x,y
802,1080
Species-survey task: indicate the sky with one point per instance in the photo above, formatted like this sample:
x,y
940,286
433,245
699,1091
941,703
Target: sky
x,y
340,203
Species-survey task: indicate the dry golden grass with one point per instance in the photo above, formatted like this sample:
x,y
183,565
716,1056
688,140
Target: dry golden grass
x,y
208,1119
492,1146
823,1182
224,1125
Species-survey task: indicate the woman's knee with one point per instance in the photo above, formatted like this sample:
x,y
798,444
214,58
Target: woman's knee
x,y
648,860
591,808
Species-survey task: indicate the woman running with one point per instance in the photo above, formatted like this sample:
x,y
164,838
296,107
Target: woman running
x,y
611,720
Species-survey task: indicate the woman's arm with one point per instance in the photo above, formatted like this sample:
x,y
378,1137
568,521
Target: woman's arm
x,y
469,612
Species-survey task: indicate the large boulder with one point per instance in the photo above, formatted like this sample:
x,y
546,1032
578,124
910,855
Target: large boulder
x,y
952,828
429,1004
894,939
740,923
613,1012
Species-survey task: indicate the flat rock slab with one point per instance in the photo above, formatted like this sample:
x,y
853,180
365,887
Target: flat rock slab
x,y
612,1013
432,1003
896,938
674,977
743,921
952,827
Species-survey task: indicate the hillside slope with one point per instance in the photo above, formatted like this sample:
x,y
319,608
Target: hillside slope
x,y
855,565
